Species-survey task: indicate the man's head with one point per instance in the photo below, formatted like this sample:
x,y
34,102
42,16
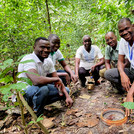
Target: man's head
x,y
111,39
54,42
125,29
87,42
42,48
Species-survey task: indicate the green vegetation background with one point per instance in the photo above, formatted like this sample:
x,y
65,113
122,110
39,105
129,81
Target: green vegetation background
x,y
22,21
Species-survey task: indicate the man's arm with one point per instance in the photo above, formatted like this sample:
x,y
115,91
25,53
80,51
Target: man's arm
x,y
67,69
40,80
125,81
127,63
77,62
101,62
61,86
107,64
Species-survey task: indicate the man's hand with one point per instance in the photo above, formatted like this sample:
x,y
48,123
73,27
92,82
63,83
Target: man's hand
x,y
69,101
59,84
130,99
125,81
74,78
67,79
93,68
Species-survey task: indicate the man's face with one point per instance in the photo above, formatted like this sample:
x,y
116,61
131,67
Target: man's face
x,y
87,43
55,44
125,30
42,49
111,39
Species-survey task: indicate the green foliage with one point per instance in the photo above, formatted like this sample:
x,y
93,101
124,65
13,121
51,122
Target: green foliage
x,y
8,78
23,21
129,105
33,122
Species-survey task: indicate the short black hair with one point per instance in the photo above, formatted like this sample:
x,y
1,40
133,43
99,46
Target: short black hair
x,y
124,19
86,36
51,36
40,38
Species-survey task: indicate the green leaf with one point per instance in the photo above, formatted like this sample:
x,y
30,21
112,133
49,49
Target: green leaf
x,y
23,62
6,64
39,119
5,71
7,79
129,105
20,57
31,122
27,80
19,86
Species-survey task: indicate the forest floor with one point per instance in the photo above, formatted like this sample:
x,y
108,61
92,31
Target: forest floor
x,y
82,118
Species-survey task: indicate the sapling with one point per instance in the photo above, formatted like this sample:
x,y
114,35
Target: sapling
x,y
8,80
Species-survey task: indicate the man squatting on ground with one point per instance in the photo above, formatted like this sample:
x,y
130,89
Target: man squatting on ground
x,y
56,55
42,92
124,76
85,61
111,51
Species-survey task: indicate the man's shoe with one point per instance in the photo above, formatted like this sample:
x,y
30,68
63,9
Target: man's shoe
x,y
97,83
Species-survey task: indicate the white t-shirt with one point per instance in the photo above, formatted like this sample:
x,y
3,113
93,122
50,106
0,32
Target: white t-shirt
x,y
87,59
43,68
127,50
56,56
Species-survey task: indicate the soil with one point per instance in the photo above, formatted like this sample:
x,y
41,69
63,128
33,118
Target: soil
x,y
82,118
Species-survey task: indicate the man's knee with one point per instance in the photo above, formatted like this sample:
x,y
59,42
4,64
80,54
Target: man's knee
x,y
111,74
81,71
106,74
44,90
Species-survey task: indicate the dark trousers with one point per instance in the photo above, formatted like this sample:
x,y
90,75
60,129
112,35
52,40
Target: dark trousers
x,y
83,73
114,77
63,77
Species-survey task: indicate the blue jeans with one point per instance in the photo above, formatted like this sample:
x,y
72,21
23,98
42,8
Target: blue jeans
x,y
38,97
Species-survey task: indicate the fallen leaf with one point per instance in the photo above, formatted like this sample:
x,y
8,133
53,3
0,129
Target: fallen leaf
x,y
1,124
79,114
92,122
71,111
81,124
72,122
85,96
90,132
93,100
52,118
88,115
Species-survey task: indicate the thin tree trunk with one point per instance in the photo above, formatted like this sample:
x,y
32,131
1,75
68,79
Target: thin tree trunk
x,y
48,16
33,114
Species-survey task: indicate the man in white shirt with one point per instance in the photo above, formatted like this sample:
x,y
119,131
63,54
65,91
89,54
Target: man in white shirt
x,y
126,48
43,91
124,77
85,61
67,74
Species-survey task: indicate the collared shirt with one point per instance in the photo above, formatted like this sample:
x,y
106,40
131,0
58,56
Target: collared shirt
x,y
43,68
124,50
112,54
56,56
87,59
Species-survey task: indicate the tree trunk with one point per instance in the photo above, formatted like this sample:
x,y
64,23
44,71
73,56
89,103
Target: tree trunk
x,y
48,16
